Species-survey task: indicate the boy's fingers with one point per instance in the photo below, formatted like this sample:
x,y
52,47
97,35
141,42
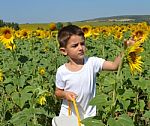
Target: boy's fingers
x,y
131,38
129,42
73,97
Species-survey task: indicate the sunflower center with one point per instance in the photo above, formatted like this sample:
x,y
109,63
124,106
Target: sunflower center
x,y
139,34
103,31
133,56
7,34
25,34
85,30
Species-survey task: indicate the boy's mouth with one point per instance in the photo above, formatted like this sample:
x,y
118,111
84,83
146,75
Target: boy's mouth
x,y
81,53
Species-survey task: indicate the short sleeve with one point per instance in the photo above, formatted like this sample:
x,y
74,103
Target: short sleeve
x,y
59,81
97,64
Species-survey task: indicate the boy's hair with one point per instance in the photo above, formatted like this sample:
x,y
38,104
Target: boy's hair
x,y
66,32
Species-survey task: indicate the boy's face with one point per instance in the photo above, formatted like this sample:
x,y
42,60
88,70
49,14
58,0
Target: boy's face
x,y
75,48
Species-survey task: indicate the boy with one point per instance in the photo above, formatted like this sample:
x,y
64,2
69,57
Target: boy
x,y
76,79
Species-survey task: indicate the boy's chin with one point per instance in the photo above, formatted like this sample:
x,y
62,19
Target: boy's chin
x,y
81,58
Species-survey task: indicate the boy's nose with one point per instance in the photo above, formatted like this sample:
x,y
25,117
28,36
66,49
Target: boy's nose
x,y
80,46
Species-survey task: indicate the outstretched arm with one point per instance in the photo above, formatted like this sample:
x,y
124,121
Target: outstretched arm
x,y
112,65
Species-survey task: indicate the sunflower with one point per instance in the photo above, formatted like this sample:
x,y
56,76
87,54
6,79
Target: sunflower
x,y
133,57
52,26
10,45
1,76
47,34
42,100
41,71
54,34
42,97
87,29
6,35
24,33
140,34
95,33
105,31
40,34
118,35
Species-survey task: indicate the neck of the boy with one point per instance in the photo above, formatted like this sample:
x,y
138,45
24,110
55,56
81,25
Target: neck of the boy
x,y
75,65
76,62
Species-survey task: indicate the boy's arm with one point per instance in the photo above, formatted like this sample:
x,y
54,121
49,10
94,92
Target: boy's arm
x,y
60,93
112,65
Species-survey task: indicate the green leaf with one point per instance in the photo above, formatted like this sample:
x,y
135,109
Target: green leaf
x,y
142,83
128,94
100,101
107,89
124,120
92,121
22,80
16,99
120,91
29,89
22,117
147,114
7,80
109,81
125,104
142,105
41,111
21,98
25,97
10,88
113,122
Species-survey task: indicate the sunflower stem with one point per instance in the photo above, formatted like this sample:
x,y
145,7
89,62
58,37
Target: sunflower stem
x,y
115,86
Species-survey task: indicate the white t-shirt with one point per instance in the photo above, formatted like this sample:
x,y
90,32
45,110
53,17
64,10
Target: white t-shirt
x,y
82,83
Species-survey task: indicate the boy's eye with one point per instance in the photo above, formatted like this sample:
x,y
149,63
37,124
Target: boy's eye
x,y
75,45
82,43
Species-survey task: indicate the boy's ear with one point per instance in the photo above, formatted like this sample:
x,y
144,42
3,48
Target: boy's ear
x,y
63,51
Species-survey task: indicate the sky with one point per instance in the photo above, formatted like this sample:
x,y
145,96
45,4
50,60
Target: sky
x,y
46,11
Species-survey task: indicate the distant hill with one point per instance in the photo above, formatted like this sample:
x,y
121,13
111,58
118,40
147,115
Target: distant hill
x,y
123,18
119,20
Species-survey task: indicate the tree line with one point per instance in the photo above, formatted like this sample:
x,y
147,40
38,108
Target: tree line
x,y
9,24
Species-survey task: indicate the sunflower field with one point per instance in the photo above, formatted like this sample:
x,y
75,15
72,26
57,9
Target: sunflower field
x,y
29,60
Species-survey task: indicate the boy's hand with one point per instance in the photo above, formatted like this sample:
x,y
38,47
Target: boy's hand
x,y
129,42
69,95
